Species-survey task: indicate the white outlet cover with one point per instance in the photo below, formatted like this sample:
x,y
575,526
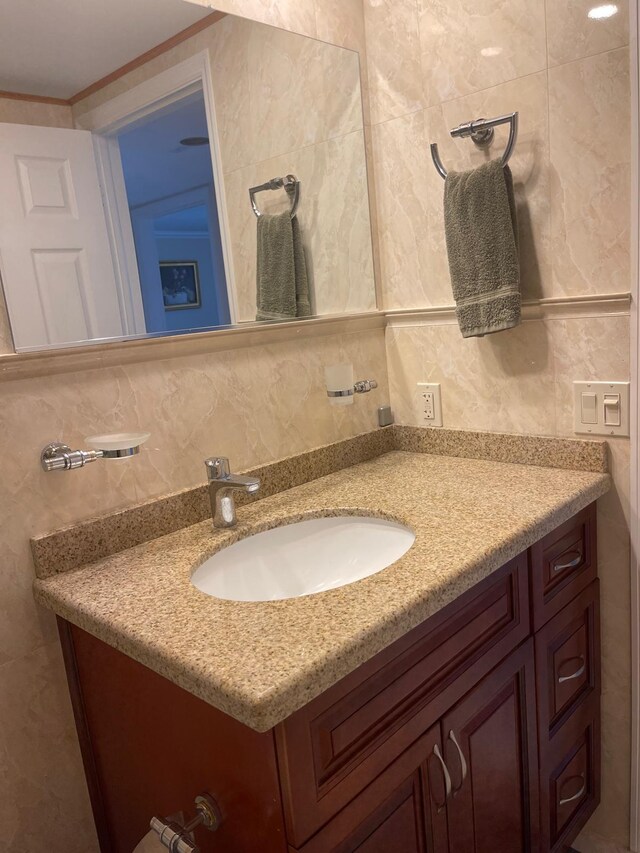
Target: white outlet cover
x,y
600,389
421,390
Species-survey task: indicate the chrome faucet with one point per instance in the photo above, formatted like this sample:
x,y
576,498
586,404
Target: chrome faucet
x,y
222,484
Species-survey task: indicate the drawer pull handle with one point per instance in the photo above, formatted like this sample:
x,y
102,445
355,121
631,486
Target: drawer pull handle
x,y
561,567
575,797
575,674
463,763
445,773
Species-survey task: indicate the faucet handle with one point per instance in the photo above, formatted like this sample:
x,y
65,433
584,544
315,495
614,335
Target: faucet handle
x,y
217,467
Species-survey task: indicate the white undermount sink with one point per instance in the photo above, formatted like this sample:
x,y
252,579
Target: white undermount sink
x,y
303,558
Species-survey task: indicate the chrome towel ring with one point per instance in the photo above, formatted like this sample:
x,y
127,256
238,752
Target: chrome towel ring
x,y
481,132
289,183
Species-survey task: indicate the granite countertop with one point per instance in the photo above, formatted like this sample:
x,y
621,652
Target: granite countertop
x,y
260,662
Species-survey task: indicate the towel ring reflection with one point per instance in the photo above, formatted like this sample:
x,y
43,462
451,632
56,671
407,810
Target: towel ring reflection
x,y
289,183
481,132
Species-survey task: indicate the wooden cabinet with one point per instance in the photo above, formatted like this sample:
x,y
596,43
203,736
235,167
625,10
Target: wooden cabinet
x,y
477,732
403,809
336,745
490,750
568,685
481,796
563,563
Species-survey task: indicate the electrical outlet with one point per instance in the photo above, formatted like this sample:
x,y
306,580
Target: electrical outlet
x,y
429,404
429,413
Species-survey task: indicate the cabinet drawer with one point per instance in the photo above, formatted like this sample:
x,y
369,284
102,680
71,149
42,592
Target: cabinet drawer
x,y
335,746
568,660
563,564
570,788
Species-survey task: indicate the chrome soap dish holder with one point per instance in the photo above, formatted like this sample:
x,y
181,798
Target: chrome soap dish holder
x,y
289,183
58,456
482,134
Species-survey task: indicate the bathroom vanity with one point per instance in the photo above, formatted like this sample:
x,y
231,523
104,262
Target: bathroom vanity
x,y
474,729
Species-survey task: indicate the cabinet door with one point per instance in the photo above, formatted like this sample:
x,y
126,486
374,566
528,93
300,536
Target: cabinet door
x,y
404,809
490,750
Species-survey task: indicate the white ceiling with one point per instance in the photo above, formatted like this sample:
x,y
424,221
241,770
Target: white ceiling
x,y
57,48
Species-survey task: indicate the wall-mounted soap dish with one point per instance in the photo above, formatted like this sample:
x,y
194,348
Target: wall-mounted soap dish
x,y
58,456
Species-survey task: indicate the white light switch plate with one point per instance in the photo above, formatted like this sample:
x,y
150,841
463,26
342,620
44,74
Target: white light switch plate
x,y
591,423
429,404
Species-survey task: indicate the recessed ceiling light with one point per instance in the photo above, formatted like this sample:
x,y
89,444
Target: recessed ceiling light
x,y
491,51
606,11
195,140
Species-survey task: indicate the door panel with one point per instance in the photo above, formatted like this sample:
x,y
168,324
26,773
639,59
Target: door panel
x,y
55,258
490,750
331,749
403,809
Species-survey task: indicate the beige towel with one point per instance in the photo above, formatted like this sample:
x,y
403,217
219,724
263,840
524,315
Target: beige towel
x,y
482,244
282,285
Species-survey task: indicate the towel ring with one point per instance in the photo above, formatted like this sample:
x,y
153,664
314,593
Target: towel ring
x,y
481,132
289,183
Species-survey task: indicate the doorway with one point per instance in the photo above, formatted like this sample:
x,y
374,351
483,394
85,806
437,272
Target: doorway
x,y
180,100
171,197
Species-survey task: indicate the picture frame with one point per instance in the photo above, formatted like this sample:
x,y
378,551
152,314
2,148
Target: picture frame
x,y
180,281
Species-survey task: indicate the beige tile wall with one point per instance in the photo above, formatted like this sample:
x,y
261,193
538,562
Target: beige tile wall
x,y
433,64
337,21
255,404
17,111
295,107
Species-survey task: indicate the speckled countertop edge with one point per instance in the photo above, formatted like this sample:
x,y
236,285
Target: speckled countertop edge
x,y
261,662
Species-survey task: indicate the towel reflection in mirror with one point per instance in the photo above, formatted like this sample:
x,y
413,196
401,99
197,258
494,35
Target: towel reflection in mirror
x,y
282,283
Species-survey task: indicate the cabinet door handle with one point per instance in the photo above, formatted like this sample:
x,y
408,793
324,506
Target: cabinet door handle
x,y
576,674
560,567
463,763
445,773
575,796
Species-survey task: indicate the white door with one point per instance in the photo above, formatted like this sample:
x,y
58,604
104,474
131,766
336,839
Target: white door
x,y
55,258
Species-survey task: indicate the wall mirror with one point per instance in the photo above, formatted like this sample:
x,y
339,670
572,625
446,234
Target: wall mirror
x,y
129,144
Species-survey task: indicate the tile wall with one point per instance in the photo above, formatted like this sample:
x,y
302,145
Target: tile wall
x,y
433,64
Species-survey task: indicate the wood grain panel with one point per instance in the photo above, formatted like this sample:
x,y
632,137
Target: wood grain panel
x,y
563,563
571,760
568,661
333,747
150,748
493,762
396,812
